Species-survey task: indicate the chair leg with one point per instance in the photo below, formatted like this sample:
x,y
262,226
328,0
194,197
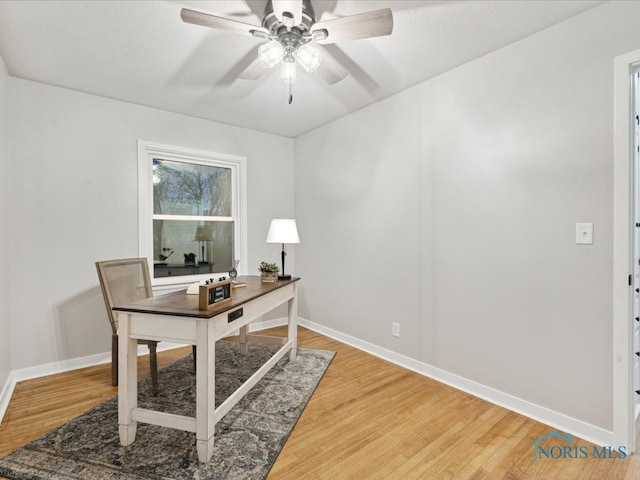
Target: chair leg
x,y
194,351
114,360
153,360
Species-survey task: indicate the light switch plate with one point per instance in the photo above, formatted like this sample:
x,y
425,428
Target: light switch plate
x,y
584,233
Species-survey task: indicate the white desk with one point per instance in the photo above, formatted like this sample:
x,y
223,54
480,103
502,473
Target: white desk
x,y
175,318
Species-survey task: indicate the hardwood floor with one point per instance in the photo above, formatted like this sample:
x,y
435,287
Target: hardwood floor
x,y
368,419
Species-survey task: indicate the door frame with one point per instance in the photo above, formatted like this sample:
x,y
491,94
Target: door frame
x,y
623,184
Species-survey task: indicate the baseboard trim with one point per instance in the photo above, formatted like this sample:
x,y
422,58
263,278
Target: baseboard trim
x,y
555,420
5,394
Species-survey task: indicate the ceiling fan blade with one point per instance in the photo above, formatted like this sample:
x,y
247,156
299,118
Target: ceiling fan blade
x,y
254,70
376,23
288,11
346,63
330,71
244,69
221,23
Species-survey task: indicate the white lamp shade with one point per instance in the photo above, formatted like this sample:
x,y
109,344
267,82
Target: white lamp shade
x,y
283,230
202,234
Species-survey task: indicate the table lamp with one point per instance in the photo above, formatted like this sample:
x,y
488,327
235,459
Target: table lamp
x,y
202,234
283,230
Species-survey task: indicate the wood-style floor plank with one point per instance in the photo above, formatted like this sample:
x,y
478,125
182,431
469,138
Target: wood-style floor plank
x,y
368,419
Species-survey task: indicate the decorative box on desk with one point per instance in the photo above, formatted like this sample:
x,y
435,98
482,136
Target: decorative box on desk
x,y
214,293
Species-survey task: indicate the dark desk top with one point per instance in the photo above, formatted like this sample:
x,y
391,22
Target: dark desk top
x,y
179,303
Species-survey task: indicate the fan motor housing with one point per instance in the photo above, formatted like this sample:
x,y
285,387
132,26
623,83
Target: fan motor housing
x,y
297,32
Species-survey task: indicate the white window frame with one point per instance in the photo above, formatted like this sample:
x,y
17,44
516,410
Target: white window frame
x,y
147,151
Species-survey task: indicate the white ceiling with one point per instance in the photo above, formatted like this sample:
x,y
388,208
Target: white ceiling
x,y
141,52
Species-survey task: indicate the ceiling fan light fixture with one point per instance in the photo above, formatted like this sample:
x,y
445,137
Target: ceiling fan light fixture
x,y
288,72
290,25
271,53
309,57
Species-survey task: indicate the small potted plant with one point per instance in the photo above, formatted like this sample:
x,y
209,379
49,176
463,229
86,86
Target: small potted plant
x,y
189,258
269,272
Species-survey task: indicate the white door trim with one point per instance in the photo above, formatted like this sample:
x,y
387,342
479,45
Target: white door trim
x,y
623,416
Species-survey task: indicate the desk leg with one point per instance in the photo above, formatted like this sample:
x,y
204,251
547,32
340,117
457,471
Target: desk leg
x,y
205,389
243,340
292,333
128,380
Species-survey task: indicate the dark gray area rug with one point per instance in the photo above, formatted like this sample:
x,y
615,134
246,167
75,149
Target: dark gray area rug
x,y
247,440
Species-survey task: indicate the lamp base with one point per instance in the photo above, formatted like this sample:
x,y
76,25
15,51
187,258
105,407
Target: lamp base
x,y
284,277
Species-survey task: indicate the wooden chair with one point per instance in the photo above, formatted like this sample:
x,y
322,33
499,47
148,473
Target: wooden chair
x,y
125,281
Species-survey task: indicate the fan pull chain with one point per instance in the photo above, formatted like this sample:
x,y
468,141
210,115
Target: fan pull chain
x,y
290,94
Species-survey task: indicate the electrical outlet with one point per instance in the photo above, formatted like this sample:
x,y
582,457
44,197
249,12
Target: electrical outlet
x,y
395,329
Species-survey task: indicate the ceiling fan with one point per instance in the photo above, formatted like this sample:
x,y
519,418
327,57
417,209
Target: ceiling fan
x,y
290,27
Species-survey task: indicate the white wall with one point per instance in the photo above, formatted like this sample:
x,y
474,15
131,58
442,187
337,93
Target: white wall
x,y
451,208
73,171
5,337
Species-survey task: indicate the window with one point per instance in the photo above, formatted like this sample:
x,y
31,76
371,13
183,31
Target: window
x,y
191,212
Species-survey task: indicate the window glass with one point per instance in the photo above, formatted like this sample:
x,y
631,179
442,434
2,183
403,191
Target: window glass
x,y
191,247
191,189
